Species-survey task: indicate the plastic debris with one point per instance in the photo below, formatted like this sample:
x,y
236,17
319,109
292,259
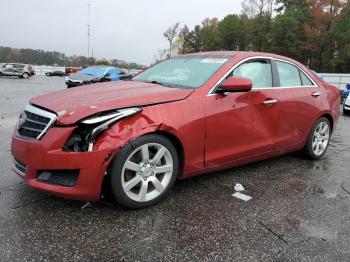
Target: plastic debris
x,y
239,188
242,196
87,205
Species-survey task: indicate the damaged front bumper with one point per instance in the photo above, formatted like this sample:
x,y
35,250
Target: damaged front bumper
x,y
44,165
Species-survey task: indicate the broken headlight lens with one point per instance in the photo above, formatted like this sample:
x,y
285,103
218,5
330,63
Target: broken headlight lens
x,y
88,130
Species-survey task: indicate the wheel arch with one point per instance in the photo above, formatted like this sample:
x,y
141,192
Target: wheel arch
x,y
330,119
178,146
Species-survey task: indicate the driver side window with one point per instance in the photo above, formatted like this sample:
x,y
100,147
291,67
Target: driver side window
x,y
259,71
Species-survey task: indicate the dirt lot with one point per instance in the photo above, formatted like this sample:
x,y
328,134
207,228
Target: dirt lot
x,y
300,209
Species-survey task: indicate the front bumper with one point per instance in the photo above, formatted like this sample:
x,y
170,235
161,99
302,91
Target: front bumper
x,y
346,107
33,156
73,84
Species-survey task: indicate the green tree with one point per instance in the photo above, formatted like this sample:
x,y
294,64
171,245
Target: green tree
x,y
210,35
340,34
233,32
259,33
192,41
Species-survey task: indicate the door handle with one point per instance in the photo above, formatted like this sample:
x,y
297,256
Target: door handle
x,y
316,94
270,102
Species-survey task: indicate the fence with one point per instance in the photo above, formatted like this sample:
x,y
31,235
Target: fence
x,y
338,80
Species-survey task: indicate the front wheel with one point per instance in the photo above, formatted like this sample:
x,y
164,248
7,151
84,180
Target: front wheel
x,y
318,141
143,171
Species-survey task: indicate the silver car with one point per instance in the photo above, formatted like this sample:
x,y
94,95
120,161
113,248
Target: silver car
x,y
14,69
346,106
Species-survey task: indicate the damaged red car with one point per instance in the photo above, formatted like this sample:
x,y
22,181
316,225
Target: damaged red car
x,y
185,116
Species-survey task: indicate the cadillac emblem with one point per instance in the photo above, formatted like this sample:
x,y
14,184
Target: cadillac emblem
x,y
22,119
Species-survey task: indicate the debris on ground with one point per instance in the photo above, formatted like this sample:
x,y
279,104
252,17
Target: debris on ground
x,y
87,205
239,188
241,196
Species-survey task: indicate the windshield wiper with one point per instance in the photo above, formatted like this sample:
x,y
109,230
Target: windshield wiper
x,y
160,83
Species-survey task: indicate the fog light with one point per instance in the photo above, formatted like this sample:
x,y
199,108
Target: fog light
x,y
59,177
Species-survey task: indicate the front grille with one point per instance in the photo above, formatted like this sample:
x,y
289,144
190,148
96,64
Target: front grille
x,y
34,122
19,166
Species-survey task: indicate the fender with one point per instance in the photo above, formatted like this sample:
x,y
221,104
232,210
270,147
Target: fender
x,y
161,118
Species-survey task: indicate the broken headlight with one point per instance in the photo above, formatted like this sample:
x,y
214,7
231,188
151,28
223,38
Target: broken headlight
x,y
88,130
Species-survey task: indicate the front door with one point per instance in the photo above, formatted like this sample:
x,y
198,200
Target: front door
x,y
243,124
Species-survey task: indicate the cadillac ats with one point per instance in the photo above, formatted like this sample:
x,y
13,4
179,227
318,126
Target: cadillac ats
x,y
185,116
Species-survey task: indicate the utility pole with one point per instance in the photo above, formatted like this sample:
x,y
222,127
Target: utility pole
x,y
88,30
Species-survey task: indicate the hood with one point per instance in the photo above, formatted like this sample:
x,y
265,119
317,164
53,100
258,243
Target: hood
x,y
71,105
82,77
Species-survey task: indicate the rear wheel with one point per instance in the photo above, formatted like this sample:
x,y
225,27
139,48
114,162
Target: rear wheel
x,y
25,75
318,140
143,171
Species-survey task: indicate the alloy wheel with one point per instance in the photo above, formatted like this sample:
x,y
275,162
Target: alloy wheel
x,y
320,138
147,172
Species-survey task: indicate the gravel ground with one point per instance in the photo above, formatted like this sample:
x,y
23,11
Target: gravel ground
x,y
300,209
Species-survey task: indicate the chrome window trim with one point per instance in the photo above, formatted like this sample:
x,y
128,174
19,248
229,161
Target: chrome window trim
x,y
40,112
211,92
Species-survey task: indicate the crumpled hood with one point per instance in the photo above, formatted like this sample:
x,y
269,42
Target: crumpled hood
x,y
71,105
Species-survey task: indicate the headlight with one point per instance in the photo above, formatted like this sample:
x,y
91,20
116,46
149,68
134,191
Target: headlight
x,y
90,128
67,78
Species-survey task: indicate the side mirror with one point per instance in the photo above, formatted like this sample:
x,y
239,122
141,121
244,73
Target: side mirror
x,y
236,84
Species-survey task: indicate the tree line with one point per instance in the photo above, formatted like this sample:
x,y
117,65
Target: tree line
x,y
314,32
52,58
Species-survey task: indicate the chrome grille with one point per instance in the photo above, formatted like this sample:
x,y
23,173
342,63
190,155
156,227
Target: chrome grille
x,y
34,122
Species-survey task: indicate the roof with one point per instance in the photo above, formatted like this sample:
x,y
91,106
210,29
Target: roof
x,y
241,54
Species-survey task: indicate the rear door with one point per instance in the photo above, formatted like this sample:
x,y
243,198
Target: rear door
x,y
298,98
242,124
18,69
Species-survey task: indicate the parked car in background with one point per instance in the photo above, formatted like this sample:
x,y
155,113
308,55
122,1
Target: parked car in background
x,y
16,69
56,73
95,74
72,70
346,106
31,70
185,116
345,93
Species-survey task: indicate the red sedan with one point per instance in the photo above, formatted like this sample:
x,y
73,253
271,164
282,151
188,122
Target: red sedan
x,y
185,116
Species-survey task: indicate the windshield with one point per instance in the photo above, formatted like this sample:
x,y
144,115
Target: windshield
x,y
95,71
183,72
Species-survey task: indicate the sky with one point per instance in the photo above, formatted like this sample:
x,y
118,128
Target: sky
x,y
131,30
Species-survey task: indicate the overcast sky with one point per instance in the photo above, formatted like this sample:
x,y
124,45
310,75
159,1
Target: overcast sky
x,y
125,29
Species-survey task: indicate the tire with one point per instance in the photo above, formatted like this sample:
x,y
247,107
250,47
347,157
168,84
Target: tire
x,y
318,140
25,75
131,165
346,112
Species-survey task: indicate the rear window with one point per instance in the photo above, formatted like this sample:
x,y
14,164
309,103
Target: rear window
x,y
289,74
306,81
20,66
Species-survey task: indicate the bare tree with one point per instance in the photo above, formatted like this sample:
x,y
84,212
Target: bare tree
x,y
252,8
170,34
